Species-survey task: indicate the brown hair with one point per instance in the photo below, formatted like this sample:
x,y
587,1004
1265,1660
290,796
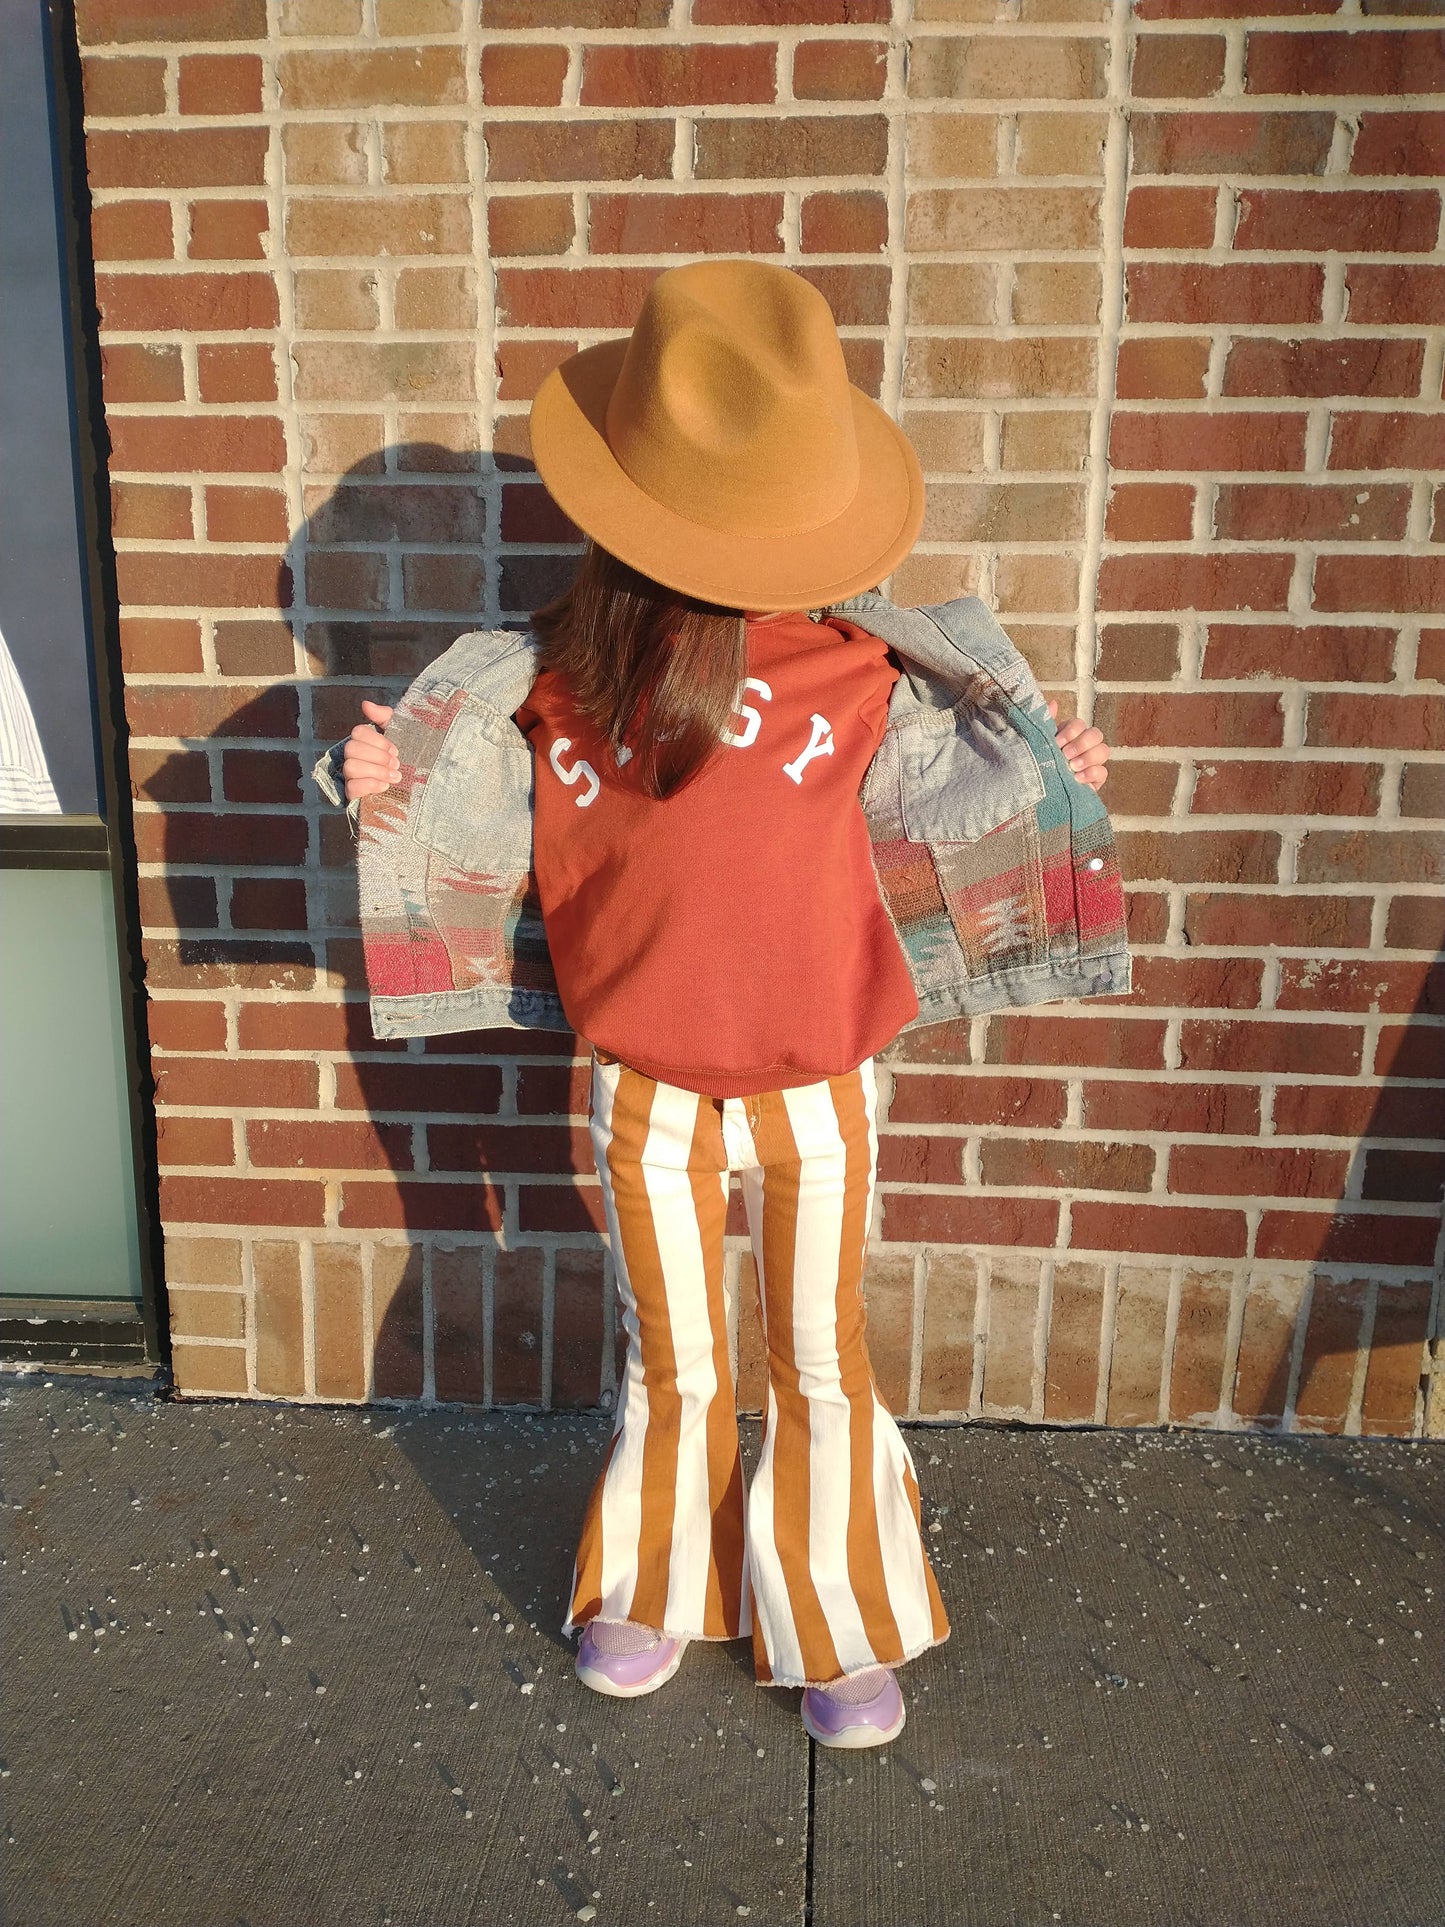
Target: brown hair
x,y
651,667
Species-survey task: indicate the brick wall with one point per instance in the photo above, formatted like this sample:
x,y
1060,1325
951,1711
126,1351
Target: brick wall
x,y
1157,292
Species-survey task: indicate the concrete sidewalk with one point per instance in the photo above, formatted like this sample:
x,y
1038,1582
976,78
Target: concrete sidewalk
x,y
278,1667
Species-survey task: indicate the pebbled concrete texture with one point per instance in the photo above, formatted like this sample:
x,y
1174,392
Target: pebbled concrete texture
x,y
270,1666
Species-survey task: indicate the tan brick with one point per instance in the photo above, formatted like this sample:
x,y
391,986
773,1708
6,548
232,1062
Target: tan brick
x,y
949,441
1055,291
334,444
336,298
280,1343
1048,649
1045,439
102,21
1007,66
457,1323
1060,144
1003,218
956,146
387,77
1043,582
523,75
399,18
530,224
1266,1341
1008,1361
440,444
203,1261
208,1314
324,153
217,1371
1196,1370
414,371
935,578
561,150
396,1315
961,294
340,1350
124,88
132,231
317,18
999,369
420,152
380,224
950,1299
1137,1357
435,298
1071,1369
1003,512
787,146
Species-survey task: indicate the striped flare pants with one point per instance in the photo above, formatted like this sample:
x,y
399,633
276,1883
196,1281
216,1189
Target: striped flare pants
x,y
822,1560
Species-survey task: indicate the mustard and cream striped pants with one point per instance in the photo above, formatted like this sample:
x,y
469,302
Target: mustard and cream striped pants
x,y
822,1560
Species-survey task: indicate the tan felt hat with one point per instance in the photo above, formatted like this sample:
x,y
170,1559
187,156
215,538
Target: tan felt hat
x,y
721,450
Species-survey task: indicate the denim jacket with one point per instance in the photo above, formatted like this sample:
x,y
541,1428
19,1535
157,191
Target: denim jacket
x,y
996,865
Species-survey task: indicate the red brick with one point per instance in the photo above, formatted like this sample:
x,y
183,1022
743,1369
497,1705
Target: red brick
x,y
185,1024
1256,1171
1306,512
560,1207
1068,1163
165,303
159,710
260,776
1387,441
517,1328
1231,144
195,1140
105,21
1118,1043
789,146
1137,652
228,231
584,151
458,1339
1167,1229
268,903
1313,654
1332,983
1404,582
1397,1343
162,777
577,1329
1355,1110
236,371
1257,920
1239,1044
523,75
1199,856
790,13
1327,1365
844,223
937,1218
1410,1050
530,224
1347,219
1169,217
417,1205
1404,1177
920,1159
1371,856
1129,1104
123,88
132,231
509,1147
1243,441
575,13
1166,65
684,224
190,158
1373,62
1287,789
840,69
246,515
220,84
1361,365
1150,512
220,581
274,1144
177,903
138,510
198,836
309,1027
1197,983
221,963
522,367
1147,915
181,443
1392,293
241,1201
231,1083
1342,721
1430,656
1191,292
1347,1237
1160,367
554,1090
136,373
1236,721
461,1089
398,1317
1422,790
858,296
1219,580
642,75
1399,144
976,1098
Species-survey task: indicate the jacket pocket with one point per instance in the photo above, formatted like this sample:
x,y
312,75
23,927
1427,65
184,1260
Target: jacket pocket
x,y
476,806
963,771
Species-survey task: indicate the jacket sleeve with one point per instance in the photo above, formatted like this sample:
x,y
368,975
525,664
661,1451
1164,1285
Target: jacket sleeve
x,y
327,776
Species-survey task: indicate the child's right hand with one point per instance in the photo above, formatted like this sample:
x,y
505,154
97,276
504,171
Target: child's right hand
x,y
369,762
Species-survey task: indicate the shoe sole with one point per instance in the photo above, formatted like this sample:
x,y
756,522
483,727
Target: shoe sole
x,y
600,1683
853,1737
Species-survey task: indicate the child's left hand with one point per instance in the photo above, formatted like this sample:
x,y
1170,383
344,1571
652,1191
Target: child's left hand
x,y
1084,747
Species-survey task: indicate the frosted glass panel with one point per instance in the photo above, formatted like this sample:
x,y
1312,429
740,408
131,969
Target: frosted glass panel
x,y
67,1184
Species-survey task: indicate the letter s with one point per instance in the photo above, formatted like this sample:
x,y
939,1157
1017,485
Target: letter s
x,y
578,770
739,739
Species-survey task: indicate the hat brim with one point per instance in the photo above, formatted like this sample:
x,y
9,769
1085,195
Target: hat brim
x,y
805,571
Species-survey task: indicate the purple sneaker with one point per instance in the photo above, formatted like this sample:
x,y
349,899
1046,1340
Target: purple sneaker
x,y
626,1661
841,1715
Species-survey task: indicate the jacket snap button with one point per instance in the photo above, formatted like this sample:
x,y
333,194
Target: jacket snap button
x,y
1096,863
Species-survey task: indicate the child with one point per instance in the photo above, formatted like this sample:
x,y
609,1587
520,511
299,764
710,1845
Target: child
x,y
711,906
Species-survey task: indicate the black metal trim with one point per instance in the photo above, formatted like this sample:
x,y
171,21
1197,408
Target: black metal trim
x,y
91,446
54,843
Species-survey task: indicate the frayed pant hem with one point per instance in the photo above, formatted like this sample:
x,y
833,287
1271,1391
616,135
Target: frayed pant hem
x,y
889,1665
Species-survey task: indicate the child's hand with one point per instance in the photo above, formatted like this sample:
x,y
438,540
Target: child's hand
x,y
370,763
1084,747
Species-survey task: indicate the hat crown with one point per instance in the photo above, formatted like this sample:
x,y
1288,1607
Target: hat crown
x,y
732,404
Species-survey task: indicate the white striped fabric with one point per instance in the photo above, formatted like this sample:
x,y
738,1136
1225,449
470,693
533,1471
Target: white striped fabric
x,y
25,785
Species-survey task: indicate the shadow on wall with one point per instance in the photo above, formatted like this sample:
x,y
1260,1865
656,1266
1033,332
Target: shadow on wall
x,y
488,1277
